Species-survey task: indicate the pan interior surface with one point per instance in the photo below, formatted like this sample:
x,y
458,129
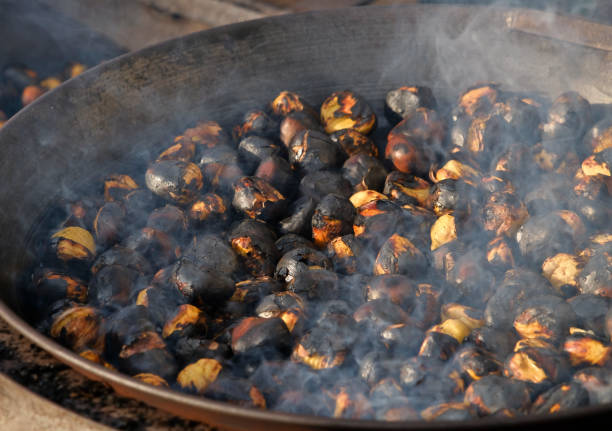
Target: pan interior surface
x,y
123,112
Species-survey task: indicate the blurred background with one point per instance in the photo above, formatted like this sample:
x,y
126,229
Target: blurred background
x,y
43,43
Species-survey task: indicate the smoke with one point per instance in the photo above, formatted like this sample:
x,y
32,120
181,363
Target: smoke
x,y
133,108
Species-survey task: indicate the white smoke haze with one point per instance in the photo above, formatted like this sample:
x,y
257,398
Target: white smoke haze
x,y
133,109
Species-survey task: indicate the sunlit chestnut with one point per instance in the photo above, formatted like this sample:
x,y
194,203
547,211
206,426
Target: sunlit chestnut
x,y
407,189
347,110
78,327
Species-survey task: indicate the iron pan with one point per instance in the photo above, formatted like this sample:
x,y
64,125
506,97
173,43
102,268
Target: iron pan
x,y
126,109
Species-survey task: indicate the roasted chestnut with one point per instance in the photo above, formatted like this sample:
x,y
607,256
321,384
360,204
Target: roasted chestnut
x,y
256,198
311,151
347,110
174,180
332,217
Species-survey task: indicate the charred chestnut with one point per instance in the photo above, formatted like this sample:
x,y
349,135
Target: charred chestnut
x,y
295,122
345,252
184,322
256,198
407,189
473,363
174,180
160,302
517,287
379,314
352,142
300,217
209,211
598,383
249,292
548,317
559,398
183,149
49,286
402,339
114,285
315,284
287,102
147,353
211,252
400,256
443,231
448,412
500,254
288,306
403,102
169,219
207,134
236,391
117,186
540,367
73,243
277,171
289,241
253,149
255,123
197,376
261,338
591,312
316,185
325,346
201,286
562,271
596,276
78,327
492,394
332,217
253,241
347,110
396,288
412,144
546,235
156,246
299,260
503,214
364,172
584,349
108,226
568,118
478,99
311,151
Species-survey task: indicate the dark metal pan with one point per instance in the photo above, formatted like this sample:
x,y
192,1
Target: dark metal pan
x,y
120,110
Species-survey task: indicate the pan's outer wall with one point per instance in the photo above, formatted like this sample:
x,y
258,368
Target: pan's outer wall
x,y
132,106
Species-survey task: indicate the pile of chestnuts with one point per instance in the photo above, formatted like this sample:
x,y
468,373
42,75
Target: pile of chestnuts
x,y
460,268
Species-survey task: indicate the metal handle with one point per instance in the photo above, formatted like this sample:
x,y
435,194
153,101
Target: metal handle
x,y
564,28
